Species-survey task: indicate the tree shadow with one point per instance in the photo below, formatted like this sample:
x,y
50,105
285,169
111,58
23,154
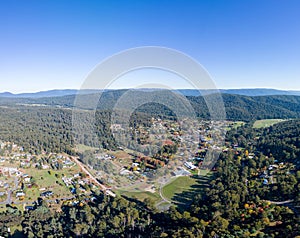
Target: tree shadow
x,y
18,234
139,204
184,199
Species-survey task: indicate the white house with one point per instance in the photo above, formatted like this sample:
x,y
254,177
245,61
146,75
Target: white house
x,y
189,165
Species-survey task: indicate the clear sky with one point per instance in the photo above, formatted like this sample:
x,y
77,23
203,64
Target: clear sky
x,y
243,44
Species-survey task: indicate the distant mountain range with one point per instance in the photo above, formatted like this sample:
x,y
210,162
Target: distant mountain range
x,y
42,94
186,92
244,92
238,107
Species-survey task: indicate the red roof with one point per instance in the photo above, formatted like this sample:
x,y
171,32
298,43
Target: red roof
x,y
168,142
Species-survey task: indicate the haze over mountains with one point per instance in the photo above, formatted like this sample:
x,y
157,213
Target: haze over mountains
x,y
267,103
186,92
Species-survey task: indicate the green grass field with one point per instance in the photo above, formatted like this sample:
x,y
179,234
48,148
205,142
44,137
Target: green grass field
x,y
179,190
141,195
237,124
82,148
182,189
178,185
266,123
49,182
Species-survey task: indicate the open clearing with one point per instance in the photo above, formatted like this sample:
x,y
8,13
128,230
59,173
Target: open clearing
x,y
179,190
81,148
236,124
266,123
177,186
142,195
49,181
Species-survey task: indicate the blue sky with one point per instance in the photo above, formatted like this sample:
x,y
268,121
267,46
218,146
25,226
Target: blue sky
x,y
243,44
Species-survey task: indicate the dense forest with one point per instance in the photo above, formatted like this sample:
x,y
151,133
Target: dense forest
x,y
238,107
46,126
282,141
51,129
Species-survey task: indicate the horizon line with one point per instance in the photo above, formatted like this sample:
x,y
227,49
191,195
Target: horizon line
x,y
65,89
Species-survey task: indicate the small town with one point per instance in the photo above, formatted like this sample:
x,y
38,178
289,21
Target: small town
x,y
56,178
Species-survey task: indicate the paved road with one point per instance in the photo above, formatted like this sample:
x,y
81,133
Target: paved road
x,y
104,188
164,200
289,204
162,196
164,182
10,192
280,203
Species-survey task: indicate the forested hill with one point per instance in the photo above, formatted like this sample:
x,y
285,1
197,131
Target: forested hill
x,y
38,124
282,141
237,107
252,108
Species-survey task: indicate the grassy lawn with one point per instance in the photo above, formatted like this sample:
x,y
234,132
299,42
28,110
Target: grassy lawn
x,y
178,185
183,189
82,148
237,124
141,195
2,208
49,182
266,123
121,155
163,206
179,190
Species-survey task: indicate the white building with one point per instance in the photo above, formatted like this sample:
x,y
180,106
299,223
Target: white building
x,y
189,165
